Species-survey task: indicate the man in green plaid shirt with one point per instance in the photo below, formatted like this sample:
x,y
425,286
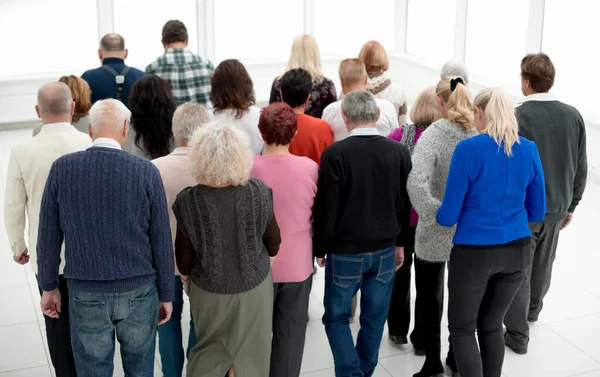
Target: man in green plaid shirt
x,y
188,74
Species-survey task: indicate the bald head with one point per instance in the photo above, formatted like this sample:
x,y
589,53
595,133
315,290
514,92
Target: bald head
x,y
353,75
112,46
109,118
55,103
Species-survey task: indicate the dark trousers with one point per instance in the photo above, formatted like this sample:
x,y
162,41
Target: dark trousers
x,y
482,282
399,313
529,300
58,335
290,318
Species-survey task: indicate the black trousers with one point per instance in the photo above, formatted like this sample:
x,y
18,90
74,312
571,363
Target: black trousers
x,y
290,318
399,313
482,282
58,335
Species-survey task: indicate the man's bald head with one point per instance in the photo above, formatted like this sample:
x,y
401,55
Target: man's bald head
x,y
112,45
54,98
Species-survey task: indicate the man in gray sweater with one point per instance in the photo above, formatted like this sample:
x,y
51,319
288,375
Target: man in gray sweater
x,y
559,132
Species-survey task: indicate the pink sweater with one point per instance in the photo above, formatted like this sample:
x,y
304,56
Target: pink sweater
x,y
293,180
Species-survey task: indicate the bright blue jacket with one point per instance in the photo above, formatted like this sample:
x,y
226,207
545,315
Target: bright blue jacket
x,y
492,196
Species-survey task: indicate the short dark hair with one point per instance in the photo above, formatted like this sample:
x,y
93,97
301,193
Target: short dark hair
x,y
278,124
539,71
112,42
296,84
231,88
174,31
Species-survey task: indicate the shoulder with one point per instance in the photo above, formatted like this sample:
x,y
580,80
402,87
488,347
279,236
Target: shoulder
x,y
396,134
136,72
90,73
254,111
386,106
332,108
256,186
325,83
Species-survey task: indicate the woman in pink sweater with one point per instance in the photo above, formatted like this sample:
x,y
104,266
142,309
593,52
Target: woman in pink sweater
x,y
424,112
293,180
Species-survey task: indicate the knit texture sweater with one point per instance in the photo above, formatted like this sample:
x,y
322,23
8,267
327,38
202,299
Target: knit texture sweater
x,y
226,227
427,184
110,208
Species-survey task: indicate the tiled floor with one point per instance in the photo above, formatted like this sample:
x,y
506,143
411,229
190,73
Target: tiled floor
x,y
565,342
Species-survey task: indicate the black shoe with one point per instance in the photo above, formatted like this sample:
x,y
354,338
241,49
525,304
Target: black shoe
x,y
519,349
431,372
427,374
419,351
532,319
398,339
451,363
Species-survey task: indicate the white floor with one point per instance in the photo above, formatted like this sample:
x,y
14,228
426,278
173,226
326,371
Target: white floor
x,y
565,342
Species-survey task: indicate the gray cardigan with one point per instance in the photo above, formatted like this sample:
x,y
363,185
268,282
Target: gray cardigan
x,y
427,185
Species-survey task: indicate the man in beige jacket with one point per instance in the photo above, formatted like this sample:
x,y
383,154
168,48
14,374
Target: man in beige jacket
x,y
28,170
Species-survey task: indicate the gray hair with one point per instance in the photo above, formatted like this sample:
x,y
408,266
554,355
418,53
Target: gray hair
x,y
109,112
112,42
455,68
360,107
187,119
54,98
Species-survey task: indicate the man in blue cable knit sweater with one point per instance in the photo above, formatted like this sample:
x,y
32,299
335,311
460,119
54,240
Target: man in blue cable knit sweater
x,y
109,207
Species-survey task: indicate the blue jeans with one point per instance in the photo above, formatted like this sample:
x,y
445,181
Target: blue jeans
x,y
170,337
95,318
345,274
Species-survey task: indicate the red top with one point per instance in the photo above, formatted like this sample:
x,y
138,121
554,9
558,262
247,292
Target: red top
x,y
313,137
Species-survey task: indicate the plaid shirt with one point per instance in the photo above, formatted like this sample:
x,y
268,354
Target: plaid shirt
x,y
188,74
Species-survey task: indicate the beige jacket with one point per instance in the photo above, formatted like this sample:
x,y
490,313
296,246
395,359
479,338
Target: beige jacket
x,y
28,170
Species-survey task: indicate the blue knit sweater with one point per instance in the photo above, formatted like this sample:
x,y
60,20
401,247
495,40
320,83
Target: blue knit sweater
x,y
109,207
493,197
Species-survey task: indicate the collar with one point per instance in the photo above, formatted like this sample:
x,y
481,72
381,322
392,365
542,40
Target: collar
x,y
540,97
364,131
181,151
113,61
176,51
56,127
106,142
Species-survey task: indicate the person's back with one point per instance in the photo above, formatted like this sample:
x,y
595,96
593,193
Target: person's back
x,y
313,137
114,78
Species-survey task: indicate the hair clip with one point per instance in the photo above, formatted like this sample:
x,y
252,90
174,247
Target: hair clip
x,y
455,82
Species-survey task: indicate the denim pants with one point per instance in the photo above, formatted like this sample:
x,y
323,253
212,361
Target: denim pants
x,y
97,317
170,338
482,282
345,274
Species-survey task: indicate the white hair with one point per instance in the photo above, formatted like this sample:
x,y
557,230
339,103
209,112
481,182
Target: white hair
x,y
109,112
455,68
360,107
186,120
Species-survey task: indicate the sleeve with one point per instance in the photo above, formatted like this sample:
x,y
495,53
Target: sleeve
x,y
326,205
50,235
388,120
275,93
185,254
15,199
396,134
272,237
535,196
402,202
582,168
419,181
150,70
160,237
456,189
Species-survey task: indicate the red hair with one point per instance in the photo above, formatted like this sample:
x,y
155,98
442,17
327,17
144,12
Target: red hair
x,y
278,123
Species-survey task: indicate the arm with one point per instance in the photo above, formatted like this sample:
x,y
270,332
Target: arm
x,y
535,196
582,169
50,235
402,202
272,237
419,180
150,70
388,120
15,200
159,233
184,252
456,189
326,205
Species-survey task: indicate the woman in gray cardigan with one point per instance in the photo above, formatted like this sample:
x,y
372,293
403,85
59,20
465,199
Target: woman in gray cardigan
x,y
426,187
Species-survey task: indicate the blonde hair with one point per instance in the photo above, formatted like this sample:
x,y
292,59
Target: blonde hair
x,y
351,71
305,54
500,116
458,102
375,57
425,109
220,155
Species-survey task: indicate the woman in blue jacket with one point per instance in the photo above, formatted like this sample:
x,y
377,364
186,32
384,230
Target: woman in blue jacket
x,y
495,188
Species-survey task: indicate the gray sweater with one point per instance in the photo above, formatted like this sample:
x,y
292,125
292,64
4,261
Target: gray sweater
x,y
427,185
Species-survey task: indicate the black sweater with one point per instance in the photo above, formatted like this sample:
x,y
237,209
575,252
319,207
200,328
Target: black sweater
x,y
559,132
362,204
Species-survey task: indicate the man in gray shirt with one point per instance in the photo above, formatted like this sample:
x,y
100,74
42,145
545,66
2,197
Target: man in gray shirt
x,y
559,132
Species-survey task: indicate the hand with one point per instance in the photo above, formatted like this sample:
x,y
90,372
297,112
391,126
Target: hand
x,y
272,260
567,220
23,258
322,262
164,312
399,257
51,303
186,284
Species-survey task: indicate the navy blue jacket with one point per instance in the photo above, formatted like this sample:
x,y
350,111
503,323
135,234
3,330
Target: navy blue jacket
x,y
103,83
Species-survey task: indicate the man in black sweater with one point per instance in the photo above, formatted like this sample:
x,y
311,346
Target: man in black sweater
x,y
559,132
361,217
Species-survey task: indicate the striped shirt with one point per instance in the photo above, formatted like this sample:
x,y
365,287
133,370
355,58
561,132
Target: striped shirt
x,y
187,74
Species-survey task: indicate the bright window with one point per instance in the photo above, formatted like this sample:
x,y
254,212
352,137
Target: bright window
x,y
343,26
43,36
571,33
140,22
257,29
497,40
431,29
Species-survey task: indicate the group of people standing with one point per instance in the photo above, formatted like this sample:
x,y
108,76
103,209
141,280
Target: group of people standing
x,y
230,203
